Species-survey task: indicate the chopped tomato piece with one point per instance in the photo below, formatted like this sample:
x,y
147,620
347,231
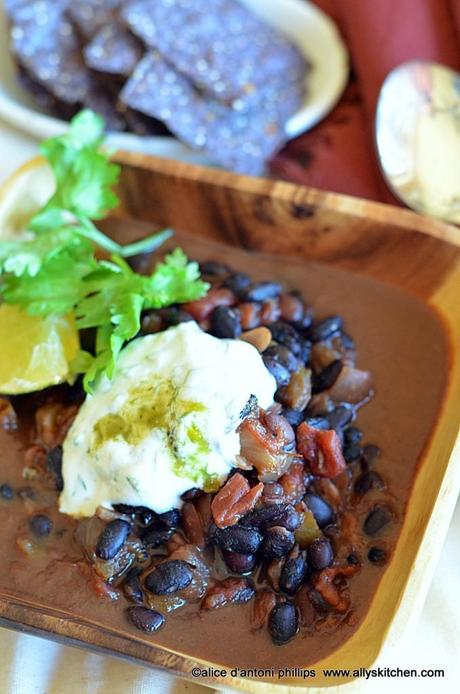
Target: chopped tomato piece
x,y
321,450
234,500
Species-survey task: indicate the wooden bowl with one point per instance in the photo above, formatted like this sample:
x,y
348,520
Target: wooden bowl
x,y
420,259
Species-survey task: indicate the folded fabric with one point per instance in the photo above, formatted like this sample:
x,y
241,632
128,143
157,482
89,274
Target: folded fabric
x,y
339,154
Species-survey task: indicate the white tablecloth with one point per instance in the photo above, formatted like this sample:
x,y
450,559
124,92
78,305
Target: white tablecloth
x,y
29,665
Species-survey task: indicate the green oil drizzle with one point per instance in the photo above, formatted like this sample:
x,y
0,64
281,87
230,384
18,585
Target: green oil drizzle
x,y
158,405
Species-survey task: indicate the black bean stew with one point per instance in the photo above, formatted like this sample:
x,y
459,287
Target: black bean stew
x,y
287,533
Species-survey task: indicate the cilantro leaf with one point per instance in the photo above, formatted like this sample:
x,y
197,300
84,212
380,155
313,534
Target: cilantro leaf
x,y
26,257
52,291
84,179
175,280
54,271
84,175
115,293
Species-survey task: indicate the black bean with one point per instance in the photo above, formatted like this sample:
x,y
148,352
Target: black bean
x,y
320,554
279,372
226,322
352,452
353,560
191,494
156,537
283,355
353,435
287,335
276,513
237,538
6,492
305,351
261,291
327,377
370,454
146,517
273,493
238,283
173,315
294,417
367,481
293,574
324,329
377,555
283,622
322,512
239,563
169,577
265,516
292,308
132,586
340,417
170,518
305,322
54,465
128,510
41,525
289,519
212,267
112,539
376,520
145,619
318,422
277,542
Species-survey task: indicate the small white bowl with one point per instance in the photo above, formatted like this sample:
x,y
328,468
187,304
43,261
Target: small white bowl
x,y
313,31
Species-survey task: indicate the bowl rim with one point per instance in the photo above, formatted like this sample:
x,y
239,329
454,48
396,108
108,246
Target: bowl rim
x,y
54,623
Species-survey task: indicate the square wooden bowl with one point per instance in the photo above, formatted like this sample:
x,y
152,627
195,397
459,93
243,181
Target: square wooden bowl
x,y
419,257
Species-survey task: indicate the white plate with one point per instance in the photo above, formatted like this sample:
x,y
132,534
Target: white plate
x,y
311,29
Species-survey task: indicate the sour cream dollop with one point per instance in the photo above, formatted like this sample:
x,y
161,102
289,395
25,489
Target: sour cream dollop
x,y
165,423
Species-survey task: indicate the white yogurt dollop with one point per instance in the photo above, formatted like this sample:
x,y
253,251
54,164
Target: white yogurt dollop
x,y
165,423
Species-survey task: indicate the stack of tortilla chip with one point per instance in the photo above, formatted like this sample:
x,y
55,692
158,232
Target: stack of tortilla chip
x,y
208,71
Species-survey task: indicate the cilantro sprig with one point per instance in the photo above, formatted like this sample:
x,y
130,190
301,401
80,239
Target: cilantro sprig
x,y
56,272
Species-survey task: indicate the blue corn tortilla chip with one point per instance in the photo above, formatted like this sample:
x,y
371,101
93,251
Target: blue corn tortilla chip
x,y
51,67
221,46
113,50
240,141
91,15
45,44
158,90
38,11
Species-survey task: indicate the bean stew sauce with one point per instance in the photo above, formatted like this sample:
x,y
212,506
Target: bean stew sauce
x,y
279,566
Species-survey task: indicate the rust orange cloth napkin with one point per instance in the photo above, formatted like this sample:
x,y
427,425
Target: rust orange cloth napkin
x,y
339,153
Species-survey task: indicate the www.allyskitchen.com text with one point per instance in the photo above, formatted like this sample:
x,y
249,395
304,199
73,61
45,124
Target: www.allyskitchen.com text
x,y
311,673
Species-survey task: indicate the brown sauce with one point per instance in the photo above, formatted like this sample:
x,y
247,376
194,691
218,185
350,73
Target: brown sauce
x,y
398,339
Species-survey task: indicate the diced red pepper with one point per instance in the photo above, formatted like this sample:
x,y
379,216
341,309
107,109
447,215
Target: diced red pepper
x,y
321,449
234,500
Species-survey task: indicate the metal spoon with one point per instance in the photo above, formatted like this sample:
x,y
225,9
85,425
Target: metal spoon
x,y
417,132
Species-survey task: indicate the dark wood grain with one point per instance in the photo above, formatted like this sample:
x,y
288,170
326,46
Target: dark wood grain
x,y
288,219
